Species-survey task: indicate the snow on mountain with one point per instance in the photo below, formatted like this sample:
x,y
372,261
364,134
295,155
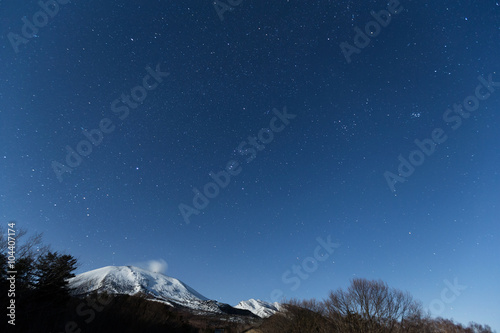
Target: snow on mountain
x,y
259,308
130,280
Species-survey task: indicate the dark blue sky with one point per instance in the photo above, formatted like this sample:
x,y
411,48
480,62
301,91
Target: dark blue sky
x,y
321,174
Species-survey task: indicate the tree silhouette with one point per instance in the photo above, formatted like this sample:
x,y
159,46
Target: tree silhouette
x,y
52,272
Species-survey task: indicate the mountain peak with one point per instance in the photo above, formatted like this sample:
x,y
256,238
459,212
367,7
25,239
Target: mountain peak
x,y
131,280
259,308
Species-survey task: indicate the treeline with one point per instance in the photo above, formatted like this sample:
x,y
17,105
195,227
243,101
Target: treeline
x,y
38,290
366,306
43,300
43,303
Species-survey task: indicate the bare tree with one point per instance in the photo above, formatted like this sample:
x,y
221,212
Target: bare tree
x,y
371,306
298,317
28,250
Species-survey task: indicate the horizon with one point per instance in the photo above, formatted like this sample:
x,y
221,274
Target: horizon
x,y
261,150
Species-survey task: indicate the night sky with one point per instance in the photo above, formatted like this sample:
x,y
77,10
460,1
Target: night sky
x,y
115,117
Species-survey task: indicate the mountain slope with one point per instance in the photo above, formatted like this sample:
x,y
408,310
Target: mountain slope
x,y
130,280
259,308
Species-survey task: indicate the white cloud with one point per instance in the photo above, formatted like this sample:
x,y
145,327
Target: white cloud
x,y
157,266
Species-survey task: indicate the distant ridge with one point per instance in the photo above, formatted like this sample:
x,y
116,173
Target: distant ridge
x,y
259,308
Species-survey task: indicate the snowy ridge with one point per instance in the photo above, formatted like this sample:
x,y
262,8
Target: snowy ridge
x,y
130,280
259,308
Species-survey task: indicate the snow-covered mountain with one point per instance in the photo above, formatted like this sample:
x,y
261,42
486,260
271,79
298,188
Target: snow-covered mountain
x,y
259,308
130,280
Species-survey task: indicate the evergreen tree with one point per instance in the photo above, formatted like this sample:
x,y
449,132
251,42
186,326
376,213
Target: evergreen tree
x,y
52,272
